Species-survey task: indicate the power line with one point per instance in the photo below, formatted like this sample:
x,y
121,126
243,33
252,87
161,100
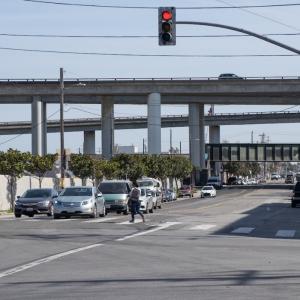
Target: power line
x,y
258,15
139,36
147,55
152,7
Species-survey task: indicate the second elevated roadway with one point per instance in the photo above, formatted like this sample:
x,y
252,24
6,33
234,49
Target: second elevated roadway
x,y
92,124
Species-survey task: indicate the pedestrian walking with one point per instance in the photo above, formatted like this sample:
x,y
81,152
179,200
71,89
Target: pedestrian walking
x,y
135,203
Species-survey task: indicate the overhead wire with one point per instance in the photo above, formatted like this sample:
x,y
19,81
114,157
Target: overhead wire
x,y
147,55
152,7
138,36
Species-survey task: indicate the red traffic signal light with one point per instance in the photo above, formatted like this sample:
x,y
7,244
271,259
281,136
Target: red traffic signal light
x,y
166,26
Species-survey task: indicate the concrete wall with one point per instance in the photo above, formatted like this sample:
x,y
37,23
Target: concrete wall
x,y
27,182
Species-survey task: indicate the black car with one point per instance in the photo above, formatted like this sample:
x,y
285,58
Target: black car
x,y
296,195
35,201
229,76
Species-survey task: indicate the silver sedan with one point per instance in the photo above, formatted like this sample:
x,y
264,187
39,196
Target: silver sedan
x,y
79,201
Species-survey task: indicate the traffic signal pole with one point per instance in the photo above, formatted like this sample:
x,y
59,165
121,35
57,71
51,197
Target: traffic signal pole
x,y
281,45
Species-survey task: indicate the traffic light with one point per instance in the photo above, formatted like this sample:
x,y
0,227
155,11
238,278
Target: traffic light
x,y
167,26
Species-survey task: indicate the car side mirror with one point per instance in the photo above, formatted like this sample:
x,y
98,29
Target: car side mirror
x,y
99,195
18,197
54,196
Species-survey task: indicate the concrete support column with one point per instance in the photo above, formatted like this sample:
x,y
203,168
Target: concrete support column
x,y
215,138
197,138
107,112
89,142
44,128
154,123
36,126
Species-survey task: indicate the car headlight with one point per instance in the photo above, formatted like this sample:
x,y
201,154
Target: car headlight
x,y
86,202
44,203
122,201
17,203
57,202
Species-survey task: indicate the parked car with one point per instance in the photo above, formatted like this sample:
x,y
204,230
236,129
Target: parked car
x,y
275,176
79,201
157,199
173,194
146,200
116,195
233,180
296,195
185,190
167,196
208,191
289,178
35,201
215,181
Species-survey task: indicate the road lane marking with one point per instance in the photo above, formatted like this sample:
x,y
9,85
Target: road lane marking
x,y
101,220
129,223
243,230
203,227
63,220
45,260
159,227
286,233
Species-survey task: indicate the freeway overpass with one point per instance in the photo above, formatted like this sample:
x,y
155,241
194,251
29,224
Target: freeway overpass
x,y
92,124
194,92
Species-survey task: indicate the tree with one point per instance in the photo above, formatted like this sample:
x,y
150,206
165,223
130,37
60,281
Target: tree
x,y
39,165
13,164
82,166
105,169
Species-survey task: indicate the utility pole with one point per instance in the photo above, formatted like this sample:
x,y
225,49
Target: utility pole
x,y
252,137
180,147
62,140
143,146
171,146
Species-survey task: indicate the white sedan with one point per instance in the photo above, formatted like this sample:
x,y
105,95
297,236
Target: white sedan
x,y
208,191
146,200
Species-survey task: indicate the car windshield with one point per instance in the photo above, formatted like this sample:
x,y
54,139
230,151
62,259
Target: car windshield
x,y
37,194
113,188
145,183
77,192
207,188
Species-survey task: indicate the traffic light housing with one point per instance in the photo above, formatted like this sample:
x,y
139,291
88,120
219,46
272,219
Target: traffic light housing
x,y
167,26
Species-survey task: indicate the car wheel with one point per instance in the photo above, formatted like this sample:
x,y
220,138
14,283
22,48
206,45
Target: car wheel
x,y
51,211
103,212
56,216
146,210
31,215
151,210
159,206
94,215
125,212
18,215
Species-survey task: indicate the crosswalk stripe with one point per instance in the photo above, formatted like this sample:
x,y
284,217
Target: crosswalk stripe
x,y
129,223
203,227
243,230
101,220
286,233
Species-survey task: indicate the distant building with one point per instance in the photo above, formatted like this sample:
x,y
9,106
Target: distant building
x,y
125,149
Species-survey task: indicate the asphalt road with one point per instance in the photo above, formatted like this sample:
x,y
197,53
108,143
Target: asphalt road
x,y
243,244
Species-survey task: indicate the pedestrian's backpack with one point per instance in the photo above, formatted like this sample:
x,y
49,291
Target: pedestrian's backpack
x,y
135,193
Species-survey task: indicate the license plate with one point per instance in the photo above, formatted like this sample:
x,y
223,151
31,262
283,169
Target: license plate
x,y
29,209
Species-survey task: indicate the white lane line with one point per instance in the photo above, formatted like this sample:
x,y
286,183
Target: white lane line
x,y
63,220
129,223
286,233
45,260
203,227
159,227
101,220
243,230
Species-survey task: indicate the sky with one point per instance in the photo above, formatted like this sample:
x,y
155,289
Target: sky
x,y
33,18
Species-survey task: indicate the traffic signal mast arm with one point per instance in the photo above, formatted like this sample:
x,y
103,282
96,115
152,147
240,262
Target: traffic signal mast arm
x,y
243,31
